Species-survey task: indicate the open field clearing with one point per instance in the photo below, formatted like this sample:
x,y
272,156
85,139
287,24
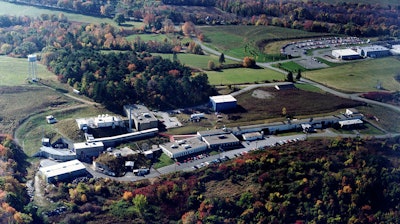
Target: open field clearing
x,y
360,77
14,71
387,119
147,37
24,10
238,41
36,126
17,103
196,61
243,75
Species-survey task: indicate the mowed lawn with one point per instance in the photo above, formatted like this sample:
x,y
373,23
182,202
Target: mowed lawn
x,y
242,76
360,76
194,60
24,10
14,71
237,41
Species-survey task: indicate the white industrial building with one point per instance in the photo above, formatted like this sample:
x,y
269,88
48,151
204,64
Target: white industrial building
x,y
373,51
224,141
101,121
87,150
62,171
184,147
395,50
223,102
345,54
253,136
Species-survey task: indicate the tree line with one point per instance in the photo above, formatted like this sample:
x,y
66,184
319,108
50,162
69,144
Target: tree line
x,y
355,19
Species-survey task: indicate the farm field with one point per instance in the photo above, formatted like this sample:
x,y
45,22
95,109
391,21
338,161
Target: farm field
x,y
297,103
195,61
14,71
360,77
237,41
242,76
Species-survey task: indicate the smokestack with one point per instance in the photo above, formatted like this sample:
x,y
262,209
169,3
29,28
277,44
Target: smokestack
x,y
130,119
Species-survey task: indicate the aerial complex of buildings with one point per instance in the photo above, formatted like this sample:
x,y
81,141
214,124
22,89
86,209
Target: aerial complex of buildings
x,y
140,123
373,51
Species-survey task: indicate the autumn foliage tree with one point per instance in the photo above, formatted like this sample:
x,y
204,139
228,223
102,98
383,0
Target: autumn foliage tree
x,y
248,62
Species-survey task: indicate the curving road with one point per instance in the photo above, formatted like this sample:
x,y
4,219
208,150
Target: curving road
x,y
353,96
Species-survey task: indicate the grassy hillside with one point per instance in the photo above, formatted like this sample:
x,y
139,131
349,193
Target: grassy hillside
x,y
239,41
14,71
361,76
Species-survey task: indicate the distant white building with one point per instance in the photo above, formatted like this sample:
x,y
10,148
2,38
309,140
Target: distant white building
x,y
62,171
395,50
346,54
374,51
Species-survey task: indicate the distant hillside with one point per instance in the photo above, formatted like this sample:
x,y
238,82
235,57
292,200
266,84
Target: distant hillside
x,y
316,181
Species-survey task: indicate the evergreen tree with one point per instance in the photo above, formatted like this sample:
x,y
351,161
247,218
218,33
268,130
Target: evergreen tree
x,y
298,76
222,58
289,77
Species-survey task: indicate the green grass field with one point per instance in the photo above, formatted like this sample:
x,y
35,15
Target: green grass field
x,y
23,10
14,71
360,77
243,75
195,61
147,37
290,66
238,41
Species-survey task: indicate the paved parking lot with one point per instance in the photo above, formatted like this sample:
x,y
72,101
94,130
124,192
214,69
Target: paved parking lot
x,y
168,121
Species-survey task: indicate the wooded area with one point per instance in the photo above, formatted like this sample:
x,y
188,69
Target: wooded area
x,y
318,181
356,19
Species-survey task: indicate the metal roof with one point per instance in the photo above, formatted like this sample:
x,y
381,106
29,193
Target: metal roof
x,y
62,168
223,99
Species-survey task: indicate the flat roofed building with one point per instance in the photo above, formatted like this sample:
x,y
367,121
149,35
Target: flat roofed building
x,y
252,136
101,121
226,140
142,117
349,123
374,51
63,171
86,150
183,147
346,54
223,102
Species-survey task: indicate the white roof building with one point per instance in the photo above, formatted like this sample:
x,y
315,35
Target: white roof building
x,y
184,147
63,171
345,54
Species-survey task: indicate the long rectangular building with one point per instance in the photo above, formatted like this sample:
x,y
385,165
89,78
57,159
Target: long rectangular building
x,y
63,171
